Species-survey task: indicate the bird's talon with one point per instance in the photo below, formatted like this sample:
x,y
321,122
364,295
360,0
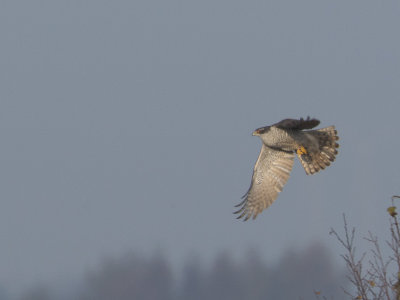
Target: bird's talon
x,y
301,151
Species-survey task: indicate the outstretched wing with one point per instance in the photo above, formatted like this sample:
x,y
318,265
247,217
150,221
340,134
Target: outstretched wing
x,y
297,124
271,172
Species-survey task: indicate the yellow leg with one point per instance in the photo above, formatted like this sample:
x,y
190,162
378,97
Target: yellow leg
x,y
301,150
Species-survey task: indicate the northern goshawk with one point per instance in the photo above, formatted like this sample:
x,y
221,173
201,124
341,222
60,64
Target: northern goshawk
x,y
316,149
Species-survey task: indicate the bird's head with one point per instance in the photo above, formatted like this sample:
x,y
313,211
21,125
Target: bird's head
x,y
261,130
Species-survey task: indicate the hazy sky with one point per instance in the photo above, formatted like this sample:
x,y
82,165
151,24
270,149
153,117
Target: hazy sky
x,y
126,125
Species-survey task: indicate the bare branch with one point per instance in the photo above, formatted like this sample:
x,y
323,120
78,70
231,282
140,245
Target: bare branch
x,y
373,281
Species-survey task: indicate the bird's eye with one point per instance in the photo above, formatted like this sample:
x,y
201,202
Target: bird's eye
x,y
262,130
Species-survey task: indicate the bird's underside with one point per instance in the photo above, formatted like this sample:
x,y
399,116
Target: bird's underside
x,y
316,149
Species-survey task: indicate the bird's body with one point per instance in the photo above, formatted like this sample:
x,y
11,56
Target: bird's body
x,y
316,149
286,140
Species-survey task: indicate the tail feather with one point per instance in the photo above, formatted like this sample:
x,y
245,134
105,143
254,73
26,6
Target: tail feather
x,y
314,162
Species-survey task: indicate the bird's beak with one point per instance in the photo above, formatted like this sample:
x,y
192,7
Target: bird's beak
x,y
255,133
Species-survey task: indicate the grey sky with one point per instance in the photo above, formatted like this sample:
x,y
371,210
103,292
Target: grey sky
x,y
127,125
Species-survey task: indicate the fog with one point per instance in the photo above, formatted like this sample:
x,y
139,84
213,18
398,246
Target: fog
x,y
126,126
297,275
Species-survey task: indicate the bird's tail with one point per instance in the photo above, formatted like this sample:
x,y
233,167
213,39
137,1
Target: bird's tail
x,y
313,162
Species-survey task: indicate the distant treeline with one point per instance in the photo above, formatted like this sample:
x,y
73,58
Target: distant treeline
x,y
297,275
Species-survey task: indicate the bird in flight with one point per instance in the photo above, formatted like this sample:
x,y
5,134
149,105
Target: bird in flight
x,y
316,149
